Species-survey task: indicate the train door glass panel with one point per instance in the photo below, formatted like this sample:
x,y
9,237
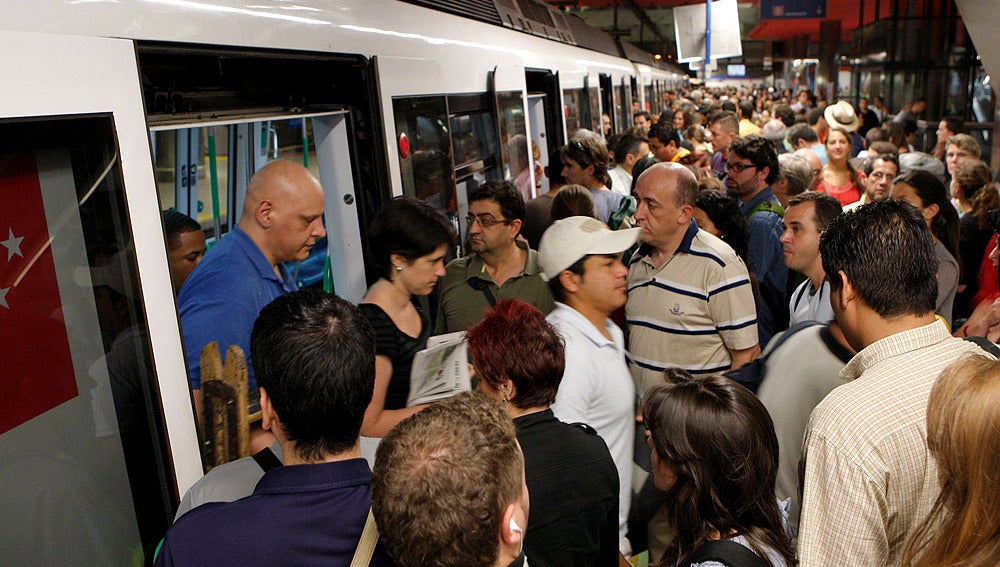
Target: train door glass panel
x,y
594,96
651,104
83,455
618,105
477,158
513,137
536,112
451,146
576,105
424,138
607,97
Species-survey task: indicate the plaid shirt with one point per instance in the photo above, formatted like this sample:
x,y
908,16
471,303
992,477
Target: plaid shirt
x,y
868,478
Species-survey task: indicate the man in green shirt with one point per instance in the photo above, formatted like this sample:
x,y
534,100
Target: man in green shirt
x,y
499,267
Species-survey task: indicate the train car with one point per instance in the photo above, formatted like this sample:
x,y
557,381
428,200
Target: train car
x,y
112,111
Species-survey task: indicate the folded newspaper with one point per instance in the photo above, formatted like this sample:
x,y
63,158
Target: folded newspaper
x,y
441,370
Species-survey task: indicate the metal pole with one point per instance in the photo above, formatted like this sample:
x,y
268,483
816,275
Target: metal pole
x,y
708,39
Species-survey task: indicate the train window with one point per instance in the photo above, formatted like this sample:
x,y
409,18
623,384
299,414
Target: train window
x,y
426,166
594,94
512,131
621,122
473,136
83,457
192,161
575,99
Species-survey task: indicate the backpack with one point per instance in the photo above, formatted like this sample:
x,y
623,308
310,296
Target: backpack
x,y
751,374
727,552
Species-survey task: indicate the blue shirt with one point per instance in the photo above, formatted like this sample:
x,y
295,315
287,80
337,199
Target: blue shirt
x,y
298,515
222,297
767,262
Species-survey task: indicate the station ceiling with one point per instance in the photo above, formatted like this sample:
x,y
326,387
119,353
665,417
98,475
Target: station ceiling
x,y
650,23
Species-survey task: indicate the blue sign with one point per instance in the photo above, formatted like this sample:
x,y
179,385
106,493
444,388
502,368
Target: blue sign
x,y
789,9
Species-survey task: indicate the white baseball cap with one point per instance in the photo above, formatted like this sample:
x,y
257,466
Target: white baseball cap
x,y
572,238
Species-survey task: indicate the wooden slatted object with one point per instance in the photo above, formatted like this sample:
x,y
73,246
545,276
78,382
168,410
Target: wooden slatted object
x,y
226,415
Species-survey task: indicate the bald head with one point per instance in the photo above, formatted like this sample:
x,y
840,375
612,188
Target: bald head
x,y
666,193
283,211
278,180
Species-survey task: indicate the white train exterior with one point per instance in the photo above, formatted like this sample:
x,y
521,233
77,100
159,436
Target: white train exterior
x,y
122,76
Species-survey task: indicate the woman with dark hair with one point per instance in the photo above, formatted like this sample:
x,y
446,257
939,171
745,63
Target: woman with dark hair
x,y
715,454
719,214
572,201
926,192
585,162
408,241
963,426
972,185
640,166
519,359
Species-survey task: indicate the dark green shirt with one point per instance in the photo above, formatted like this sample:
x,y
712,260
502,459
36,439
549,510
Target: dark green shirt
x,y
462,306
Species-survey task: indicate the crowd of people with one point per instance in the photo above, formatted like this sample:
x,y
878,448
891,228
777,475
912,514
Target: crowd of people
x,y
733,335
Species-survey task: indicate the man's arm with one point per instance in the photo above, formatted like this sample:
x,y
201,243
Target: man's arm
x,y
744,356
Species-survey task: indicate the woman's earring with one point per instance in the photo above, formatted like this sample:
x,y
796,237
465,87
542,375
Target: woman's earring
x,y
398,268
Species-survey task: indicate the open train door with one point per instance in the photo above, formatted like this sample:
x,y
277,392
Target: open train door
x,y
547,122
93,371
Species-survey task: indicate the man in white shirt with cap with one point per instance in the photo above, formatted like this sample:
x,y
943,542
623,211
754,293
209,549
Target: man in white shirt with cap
x,y
581,259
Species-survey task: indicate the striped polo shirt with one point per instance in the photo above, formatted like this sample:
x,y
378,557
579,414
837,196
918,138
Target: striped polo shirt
x,y
691,311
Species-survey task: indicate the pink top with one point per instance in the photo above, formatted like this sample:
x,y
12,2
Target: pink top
x,y
846,193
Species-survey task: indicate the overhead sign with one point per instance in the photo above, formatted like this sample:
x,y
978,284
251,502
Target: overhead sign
x,y
689,30
789,9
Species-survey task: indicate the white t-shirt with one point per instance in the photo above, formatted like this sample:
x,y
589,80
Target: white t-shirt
x,y
597,389
808,304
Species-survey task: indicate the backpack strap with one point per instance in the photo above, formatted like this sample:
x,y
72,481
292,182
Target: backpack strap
x,y
727,552
767,207
366,546
985,344
484,286
266,459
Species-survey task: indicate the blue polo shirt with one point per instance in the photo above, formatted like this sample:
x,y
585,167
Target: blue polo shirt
x,y
222,297
300,515
767,262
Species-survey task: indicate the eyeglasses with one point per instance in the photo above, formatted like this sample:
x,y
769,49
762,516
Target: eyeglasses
x,y
485,220
739,167
879,175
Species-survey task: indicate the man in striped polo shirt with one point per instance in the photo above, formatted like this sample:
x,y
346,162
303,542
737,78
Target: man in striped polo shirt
x,y
690,303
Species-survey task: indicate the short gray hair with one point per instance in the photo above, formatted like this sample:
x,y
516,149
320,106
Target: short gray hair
x,y
797,171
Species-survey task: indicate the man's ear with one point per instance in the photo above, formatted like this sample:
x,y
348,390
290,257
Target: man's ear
x,y
569,281
515,227
263,213
848,294
269,418
511,532
686,212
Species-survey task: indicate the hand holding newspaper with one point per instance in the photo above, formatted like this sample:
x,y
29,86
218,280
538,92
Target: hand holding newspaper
x,y
440,371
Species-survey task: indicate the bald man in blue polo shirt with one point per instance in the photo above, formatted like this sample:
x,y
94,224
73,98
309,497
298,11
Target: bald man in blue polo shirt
x,y
281,221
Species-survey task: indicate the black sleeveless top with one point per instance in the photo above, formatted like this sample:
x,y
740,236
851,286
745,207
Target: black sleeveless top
x,y
398,347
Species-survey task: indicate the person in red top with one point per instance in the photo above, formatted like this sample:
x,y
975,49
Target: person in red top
x,y
839,178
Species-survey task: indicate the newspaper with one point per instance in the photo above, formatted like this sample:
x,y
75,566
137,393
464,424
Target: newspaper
x,y
440,371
